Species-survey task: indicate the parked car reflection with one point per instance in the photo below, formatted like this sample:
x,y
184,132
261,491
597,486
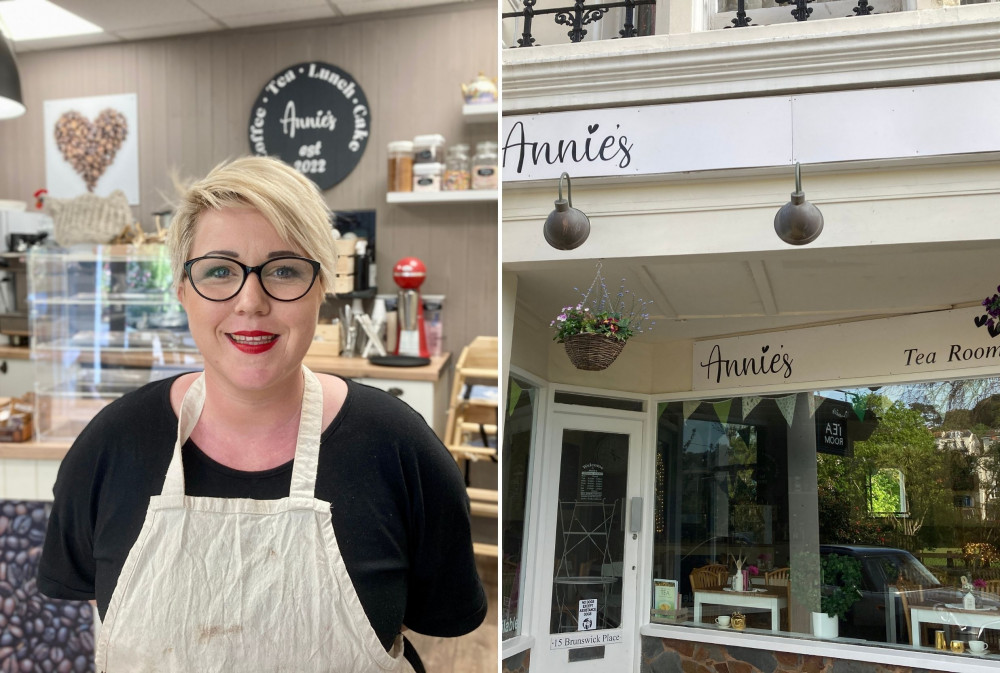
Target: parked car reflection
x,y
882,568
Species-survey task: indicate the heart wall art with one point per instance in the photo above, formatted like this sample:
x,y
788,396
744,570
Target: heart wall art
x,y
91,145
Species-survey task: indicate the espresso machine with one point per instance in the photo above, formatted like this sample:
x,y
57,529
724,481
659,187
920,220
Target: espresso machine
x,y
18,232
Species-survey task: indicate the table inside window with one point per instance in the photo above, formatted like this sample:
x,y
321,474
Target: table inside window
x,y
771,599
950,615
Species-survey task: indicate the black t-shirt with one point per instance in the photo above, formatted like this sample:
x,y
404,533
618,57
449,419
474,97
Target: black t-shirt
x,y
400,511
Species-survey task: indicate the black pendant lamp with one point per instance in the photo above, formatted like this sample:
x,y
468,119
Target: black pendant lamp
x,y
566,227
11,103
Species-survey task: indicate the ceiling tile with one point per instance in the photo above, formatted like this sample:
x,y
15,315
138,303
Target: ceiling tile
x,y
352,7
873,281
243,13
167,29
119,16
696,288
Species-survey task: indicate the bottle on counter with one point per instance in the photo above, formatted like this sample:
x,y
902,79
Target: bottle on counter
x,y
456,168
428,149
400,166
484,166
361,261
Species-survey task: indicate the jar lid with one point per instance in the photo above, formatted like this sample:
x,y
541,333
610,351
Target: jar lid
x,y
401,146
430,139
427,168
486,146
459,147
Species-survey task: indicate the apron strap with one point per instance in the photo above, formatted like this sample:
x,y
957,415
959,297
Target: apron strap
x,y
307,443
191,406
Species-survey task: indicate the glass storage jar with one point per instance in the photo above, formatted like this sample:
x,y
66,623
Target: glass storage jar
x,y
456,168
427,177
484,166
428,149
400,166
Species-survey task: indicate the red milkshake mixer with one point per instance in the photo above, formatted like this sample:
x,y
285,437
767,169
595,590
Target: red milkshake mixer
x,y
409,274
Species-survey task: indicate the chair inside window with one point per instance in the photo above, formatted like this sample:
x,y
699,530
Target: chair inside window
x,y
776,578
709,577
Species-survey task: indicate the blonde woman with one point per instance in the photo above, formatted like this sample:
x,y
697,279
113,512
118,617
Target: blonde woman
x,y
257,516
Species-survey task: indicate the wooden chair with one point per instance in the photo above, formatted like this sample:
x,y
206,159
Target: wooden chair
x,y
776,578
471,431
708,577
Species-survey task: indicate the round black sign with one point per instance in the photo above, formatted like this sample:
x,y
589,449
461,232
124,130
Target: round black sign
x,y
315,117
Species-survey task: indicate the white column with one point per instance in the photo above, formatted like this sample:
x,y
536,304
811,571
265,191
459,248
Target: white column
x,y
803,518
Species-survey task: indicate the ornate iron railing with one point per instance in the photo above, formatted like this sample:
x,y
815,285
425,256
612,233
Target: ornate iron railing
x,y
800,13
577,16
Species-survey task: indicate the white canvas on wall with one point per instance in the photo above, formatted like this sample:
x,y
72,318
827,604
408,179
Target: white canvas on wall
x,y
92,145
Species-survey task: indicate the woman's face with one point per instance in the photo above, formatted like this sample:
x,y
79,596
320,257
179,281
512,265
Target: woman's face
x,y
252,341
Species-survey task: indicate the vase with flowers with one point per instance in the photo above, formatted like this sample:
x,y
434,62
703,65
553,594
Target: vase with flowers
x,y
595,329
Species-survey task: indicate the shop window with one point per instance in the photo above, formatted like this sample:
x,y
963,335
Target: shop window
x,y
517,444
795,488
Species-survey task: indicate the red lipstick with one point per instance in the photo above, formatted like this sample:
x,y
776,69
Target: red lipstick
x,y
253,342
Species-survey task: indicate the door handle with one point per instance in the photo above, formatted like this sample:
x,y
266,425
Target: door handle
x,y
635,515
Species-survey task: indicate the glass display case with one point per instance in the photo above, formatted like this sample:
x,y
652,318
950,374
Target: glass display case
x,y
104,321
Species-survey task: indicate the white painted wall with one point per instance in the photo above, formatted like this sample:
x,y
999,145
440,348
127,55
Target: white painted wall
x,y
721,212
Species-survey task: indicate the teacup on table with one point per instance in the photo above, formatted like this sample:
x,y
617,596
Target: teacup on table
x,y
723,621
978,647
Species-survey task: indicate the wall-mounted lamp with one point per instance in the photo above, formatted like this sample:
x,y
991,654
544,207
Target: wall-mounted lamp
x,y
798,222
566,227
11,103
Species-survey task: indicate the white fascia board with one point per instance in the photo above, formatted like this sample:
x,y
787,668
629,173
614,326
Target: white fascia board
x,y
881,50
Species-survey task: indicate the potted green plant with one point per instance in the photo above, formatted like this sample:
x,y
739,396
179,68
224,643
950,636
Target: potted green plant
x,y
594,331
841,589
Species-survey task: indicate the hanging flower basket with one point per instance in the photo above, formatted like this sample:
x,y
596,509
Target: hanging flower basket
x,y
592,352
596,329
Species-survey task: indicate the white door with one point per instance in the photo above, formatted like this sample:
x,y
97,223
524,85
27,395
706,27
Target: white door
x,y
586,577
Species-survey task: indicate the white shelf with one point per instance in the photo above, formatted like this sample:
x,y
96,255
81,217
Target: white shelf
x,y
462,196
481,113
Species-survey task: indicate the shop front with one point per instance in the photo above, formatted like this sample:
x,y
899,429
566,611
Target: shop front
x,y
806,431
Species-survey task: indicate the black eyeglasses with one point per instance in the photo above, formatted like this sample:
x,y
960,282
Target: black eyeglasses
x,y
221,278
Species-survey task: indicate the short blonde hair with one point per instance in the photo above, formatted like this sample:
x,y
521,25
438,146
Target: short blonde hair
x,y
288,200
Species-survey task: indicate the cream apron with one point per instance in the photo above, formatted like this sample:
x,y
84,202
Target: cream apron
x,y
216,584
